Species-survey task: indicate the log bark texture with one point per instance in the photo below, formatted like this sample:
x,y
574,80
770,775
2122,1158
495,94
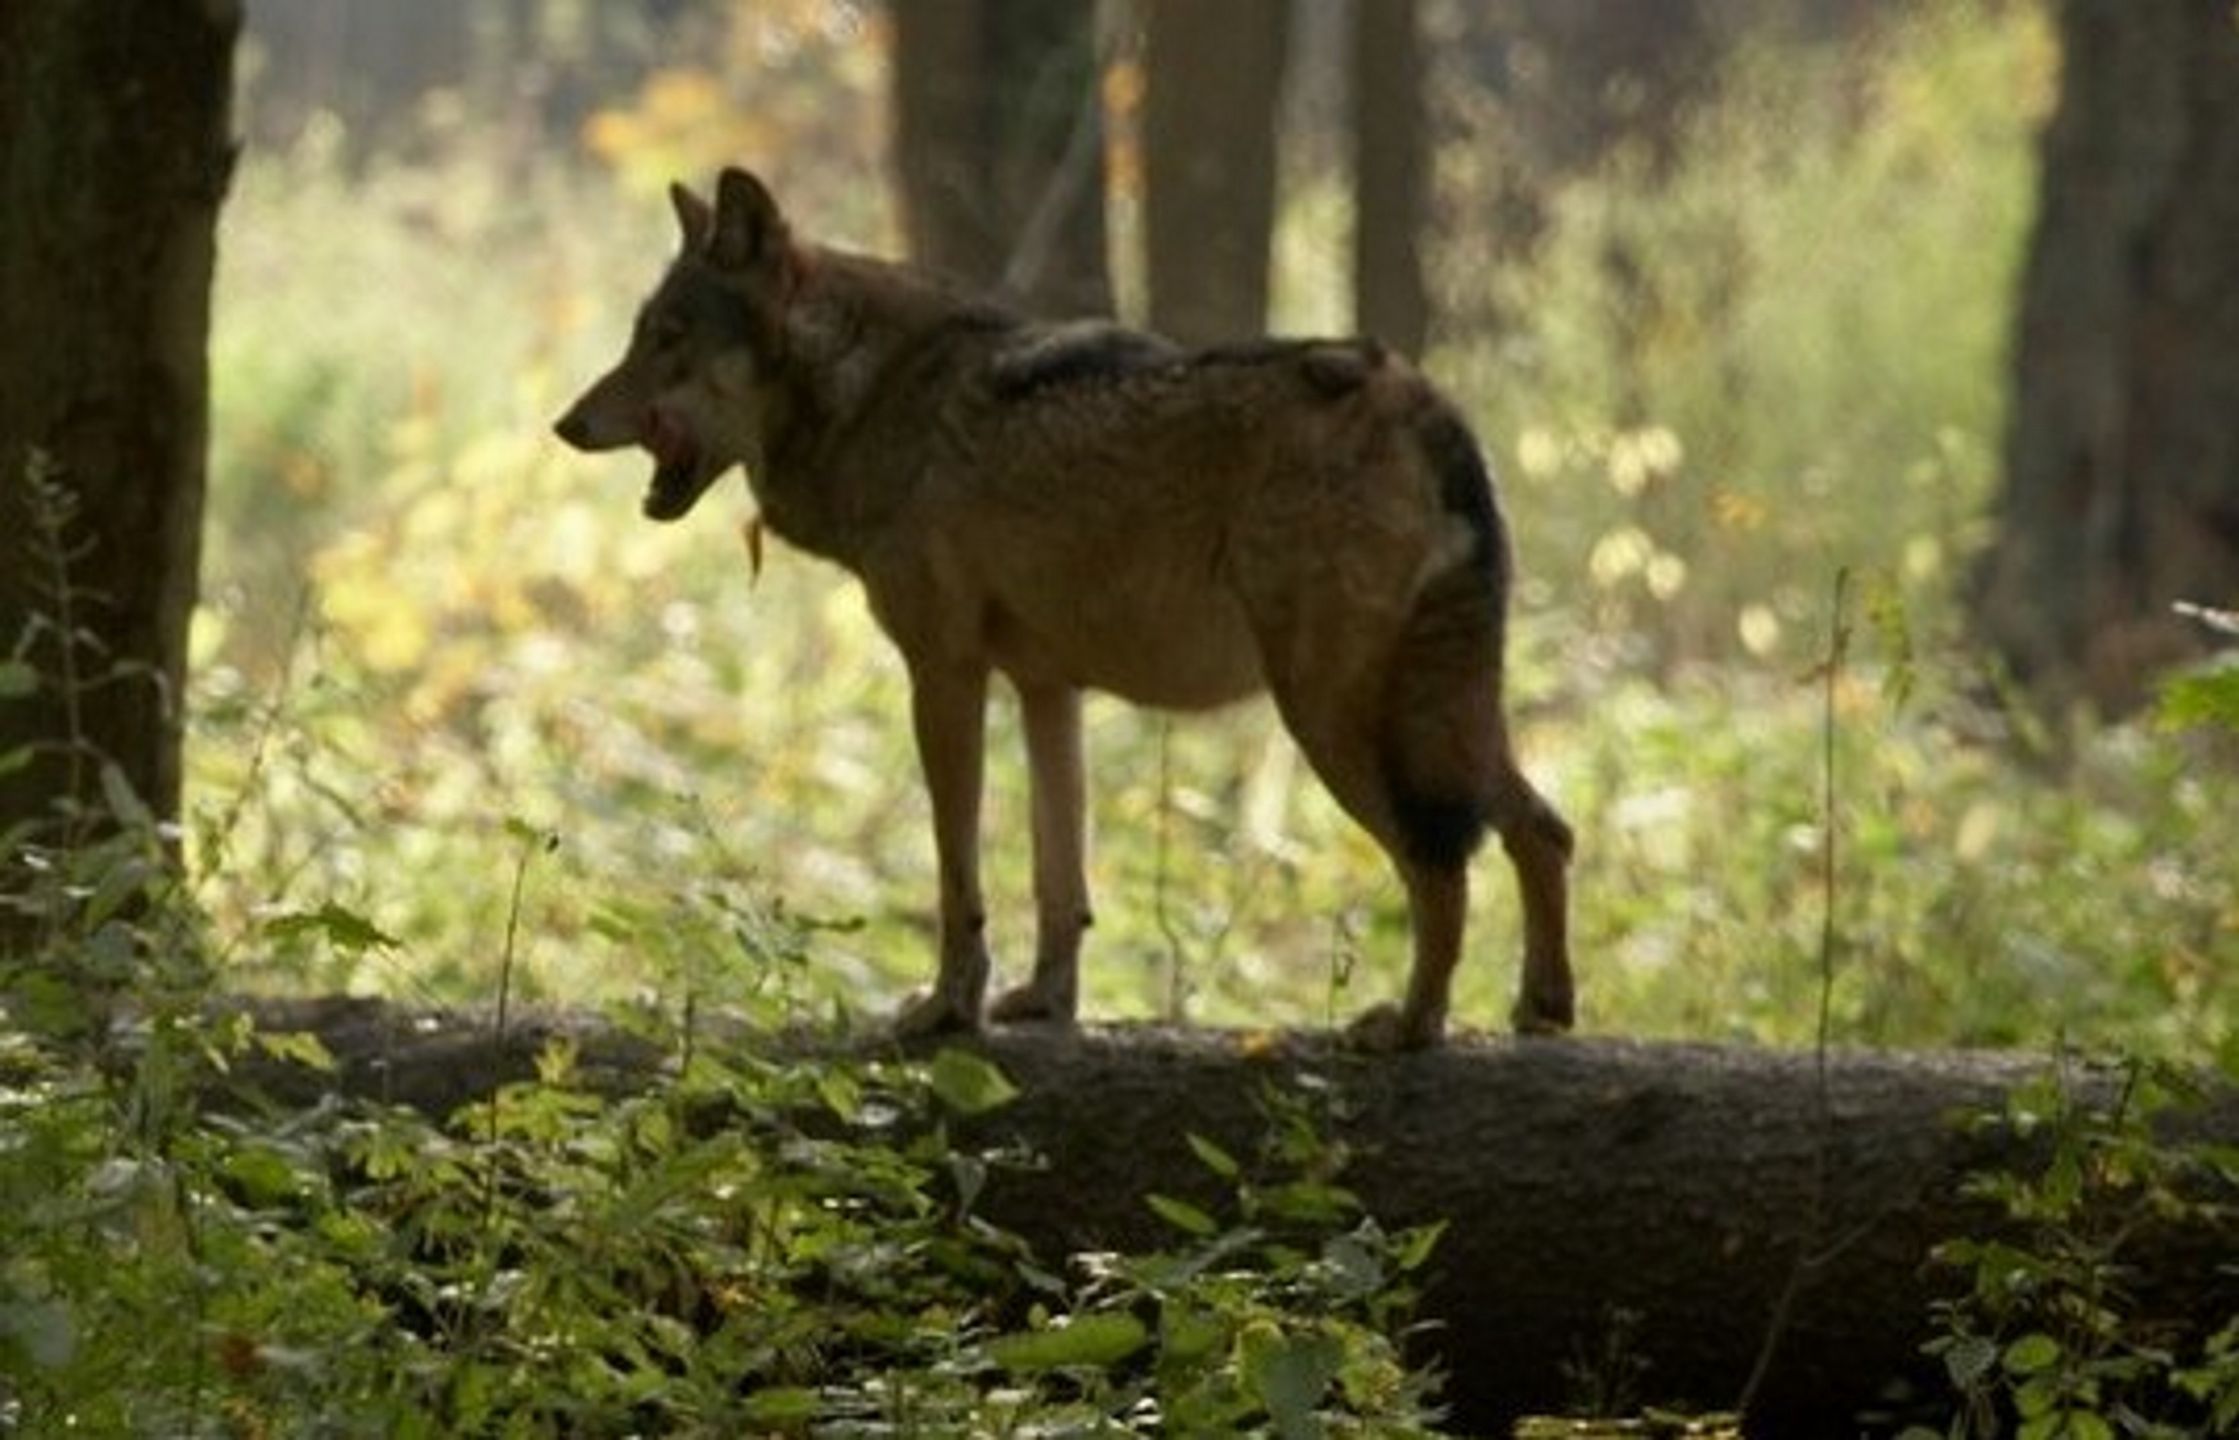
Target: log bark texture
x,y
1579,1179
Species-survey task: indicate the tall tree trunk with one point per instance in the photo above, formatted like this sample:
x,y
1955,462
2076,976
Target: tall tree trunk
x,y
1391,165
1000,146
1212,76
2122,450
115,148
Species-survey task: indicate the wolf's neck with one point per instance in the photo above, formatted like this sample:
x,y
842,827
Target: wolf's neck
x,y
874,354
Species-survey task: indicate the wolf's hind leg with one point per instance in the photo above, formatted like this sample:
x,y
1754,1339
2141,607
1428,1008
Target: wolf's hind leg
x,y
948,710
1538,842
1051,715
1438,909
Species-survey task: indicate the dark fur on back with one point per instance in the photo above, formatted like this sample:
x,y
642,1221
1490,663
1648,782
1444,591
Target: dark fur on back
x,y
1093,351
1083,353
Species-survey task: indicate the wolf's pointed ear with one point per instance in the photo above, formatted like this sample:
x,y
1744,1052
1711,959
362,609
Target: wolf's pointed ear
x,y
694,216
749,232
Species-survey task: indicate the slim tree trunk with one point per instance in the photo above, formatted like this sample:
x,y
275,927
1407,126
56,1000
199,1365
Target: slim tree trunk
x,y
999,142
2122,451
1212,76
115,148
1391,165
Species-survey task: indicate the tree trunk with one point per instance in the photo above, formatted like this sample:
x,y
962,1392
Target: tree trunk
x,y
1580,1181
115,148
999,141
1391,165
2122,450
1212,76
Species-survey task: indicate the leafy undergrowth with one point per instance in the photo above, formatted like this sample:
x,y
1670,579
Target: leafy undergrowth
x,y
757,1248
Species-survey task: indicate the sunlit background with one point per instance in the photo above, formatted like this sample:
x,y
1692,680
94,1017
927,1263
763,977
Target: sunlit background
x,y
1729,308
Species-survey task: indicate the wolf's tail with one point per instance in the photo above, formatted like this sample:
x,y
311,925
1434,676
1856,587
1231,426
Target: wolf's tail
x,y
1465,488
1446,755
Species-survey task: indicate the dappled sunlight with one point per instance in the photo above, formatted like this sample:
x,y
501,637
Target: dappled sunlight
x,y
487,631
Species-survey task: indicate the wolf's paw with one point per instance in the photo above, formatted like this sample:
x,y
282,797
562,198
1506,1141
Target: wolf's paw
x,y
1386,1030
1541,1015
932,1014
1029,1005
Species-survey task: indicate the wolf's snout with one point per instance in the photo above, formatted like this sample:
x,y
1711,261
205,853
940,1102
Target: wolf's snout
x,y
574,429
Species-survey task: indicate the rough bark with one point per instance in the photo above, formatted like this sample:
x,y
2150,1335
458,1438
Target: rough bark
x,y
1391,174
999,147
1579,1179
2122,448
115,148
1212,76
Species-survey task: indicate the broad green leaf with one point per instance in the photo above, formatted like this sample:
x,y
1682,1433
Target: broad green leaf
x,y
17,679
1182,1215
1217,1160
2208,696
968,1083
340,926
1415,1245
1096,1341
124,802
1188,1334
300,1046
1969,1358
1290,1374
2032,1353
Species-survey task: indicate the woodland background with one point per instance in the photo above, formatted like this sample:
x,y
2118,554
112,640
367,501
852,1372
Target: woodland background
x,y
1860,378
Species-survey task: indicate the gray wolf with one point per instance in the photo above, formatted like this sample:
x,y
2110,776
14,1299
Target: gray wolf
x,y
1082,506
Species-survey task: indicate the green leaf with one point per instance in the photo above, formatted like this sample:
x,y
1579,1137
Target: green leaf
x,y
840,1092
968,1083
786,1407
302,1047
1188,1334
1183,1216
1414,1245
2031,1354
17,679
1290,1374
1096,1342
341,927
2207,696
1217,1160
124,802
1969,1359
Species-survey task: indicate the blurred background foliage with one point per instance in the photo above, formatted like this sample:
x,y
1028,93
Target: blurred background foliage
x,y
1728,290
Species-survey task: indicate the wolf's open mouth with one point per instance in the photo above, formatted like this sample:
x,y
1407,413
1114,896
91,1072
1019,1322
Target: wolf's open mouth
x,y
680,471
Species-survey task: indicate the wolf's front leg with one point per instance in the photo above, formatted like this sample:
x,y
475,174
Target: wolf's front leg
x,y
948,708
1052,718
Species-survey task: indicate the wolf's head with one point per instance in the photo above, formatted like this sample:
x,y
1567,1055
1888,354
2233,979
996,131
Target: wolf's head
x,y
693,384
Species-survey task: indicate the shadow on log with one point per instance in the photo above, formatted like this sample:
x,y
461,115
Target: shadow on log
x,y
1581,1179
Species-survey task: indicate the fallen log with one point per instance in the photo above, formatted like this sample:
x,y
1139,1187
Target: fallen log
x,y
1663,1194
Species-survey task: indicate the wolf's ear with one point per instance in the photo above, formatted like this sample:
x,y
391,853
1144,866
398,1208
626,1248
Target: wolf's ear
x,y
749,232
694,216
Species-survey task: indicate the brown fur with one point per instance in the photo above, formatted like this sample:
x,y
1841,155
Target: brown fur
x,y
1087,507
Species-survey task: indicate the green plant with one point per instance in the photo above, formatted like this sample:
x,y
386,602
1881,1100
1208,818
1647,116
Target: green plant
x,y
2048,1338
